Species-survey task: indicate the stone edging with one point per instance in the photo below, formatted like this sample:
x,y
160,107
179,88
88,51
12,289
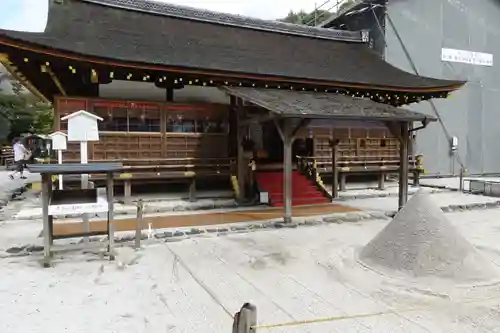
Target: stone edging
x,y
179,234
461,208
183,233
378,195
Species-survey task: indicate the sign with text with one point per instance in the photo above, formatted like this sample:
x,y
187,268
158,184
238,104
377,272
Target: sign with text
x,y
101,206
467,57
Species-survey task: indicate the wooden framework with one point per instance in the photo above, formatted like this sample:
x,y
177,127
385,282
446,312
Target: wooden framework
x,y
166,130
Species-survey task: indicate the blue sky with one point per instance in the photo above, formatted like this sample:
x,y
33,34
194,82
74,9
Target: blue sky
x,y
24,15
31,15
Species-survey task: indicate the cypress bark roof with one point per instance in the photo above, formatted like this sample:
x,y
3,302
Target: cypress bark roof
x,y
317,105
143,32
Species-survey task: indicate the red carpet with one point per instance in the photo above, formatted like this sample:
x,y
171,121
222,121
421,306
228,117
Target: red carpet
x,y
304,192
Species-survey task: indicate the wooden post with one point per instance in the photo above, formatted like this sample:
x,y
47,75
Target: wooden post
x,y
192,190
246,319
59,161
85,185
342,183
381,181
461,186
287,178
403,165
242,167
335,171
111,225
138,225
46,222
127,189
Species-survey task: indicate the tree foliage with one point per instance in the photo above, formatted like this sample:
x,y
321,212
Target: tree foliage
x,y
22,112
346,4
316,16
313,18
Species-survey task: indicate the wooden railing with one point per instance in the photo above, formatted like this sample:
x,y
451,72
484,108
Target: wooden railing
x,y
363,164
308,168
381,166
170,167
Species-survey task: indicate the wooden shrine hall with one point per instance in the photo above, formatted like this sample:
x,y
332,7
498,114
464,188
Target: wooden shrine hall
x,y
189,95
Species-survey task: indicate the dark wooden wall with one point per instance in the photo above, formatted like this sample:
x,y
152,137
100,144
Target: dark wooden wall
x,y
146,131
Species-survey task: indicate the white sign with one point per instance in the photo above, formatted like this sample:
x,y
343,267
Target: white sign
x,y
101,206
467,57
264,197
58,140
82,126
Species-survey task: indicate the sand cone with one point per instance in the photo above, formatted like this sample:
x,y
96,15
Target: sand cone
x,y
421,241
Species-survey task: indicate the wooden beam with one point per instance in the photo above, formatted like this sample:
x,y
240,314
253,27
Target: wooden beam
x,y
55,79
9,66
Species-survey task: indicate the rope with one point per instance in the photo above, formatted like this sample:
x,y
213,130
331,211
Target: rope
x,y
364,315
322,320
197,280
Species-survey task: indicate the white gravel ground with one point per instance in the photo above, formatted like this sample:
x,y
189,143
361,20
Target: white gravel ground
x,y
296,274
290,274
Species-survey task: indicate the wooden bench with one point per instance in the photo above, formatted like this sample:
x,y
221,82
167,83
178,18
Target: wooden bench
x,y
165,170
380,166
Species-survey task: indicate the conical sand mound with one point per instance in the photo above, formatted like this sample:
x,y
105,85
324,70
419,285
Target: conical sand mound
x,y
420,241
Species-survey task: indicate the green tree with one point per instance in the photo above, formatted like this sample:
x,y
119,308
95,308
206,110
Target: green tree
x,y
313,18
346,4
22,112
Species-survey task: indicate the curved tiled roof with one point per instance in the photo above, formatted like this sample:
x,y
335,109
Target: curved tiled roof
x,y
148,33
184,12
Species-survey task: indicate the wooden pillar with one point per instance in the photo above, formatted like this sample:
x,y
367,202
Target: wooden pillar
x,y
242,167
335,171
47,237
287,134
287,178
403,165
342,182
192,190
111,225
127,189
381,181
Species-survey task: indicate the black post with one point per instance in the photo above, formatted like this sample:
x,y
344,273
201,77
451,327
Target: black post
x,y
169,95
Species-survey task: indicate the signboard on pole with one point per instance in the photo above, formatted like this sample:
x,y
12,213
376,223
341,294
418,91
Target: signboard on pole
x,y
59,144
82,126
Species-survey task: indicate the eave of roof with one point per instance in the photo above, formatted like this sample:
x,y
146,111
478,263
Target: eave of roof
x,y
315,105
213,48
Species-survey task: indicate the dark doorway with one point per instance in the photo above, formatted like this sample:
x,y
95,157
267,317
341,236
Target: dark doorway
x,y
272,143
302,147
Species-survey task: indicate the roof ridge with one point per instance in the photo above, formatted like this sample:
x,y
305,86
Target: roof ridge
x,y
191,13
